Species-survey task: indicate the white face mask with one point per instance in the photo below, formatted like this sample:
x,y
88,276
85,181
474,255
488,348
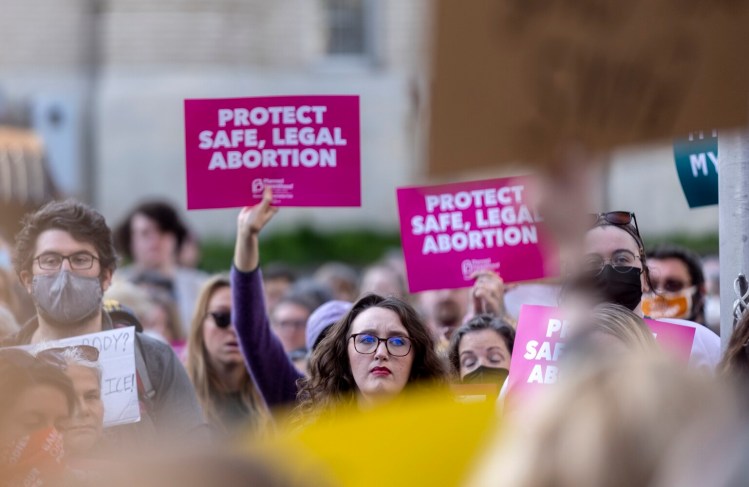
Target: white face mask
x,y
712,311
67,298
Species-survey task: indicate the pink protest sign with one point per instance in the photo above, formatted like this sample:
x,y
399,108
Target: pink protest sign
x,y
306,148
451,231
673,338
540,338
539,344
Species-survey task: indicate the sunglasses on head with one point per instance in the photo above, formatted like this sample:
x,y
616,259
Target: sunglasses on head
x,y
56,356
617,218
221,318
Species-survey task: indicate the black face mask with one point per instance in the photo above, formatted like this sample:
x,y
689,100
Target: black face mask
x,y
624,288
486,375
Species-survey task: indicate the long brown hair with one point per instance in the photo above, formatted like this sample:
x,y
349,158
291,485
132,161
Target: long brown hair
x,y
735,361
330,379
204,376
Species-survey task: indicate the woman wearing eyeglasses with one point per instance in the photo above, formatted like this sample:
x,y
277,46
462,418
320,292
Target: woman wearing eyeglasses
x,y
380,347
215,364
614,270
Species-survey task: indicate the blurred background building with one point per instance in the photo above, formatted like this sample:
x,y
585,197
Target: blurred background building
x,y
102,82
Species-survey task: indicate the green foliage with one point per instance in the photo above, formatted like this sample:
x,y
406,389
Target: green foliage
x,y
306,248
706,244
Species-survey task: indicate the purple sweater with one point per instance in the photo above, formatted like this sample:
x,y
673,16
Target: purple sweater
x,y
270,367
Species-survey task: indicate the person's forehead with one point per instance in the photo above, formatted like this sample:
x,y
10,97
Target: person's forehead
x,y
289,308
672,268
481,340
379,319
62,242
84,378
141,221
221,296
608,239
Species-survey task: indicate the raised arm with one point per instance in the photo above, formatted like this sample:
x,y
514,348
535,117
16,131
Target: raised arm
x,y
273,372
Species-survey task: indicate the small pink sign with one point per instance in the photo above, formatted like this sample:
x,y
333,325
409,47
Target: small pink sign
x,y
306,148
451,231
540,338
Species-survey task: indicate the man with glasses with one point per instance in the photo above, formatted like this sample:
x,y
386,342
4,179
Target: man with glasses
x,y
678,284
65,259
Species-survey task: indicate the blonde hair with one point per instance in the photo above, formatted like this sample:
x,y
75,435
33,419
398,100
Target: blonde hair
x,y
613,425
621,323
203,375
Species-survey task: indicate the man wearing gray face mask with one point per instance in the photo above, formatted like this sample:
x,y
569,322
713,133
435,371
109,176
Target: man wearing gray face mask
x,y
65,258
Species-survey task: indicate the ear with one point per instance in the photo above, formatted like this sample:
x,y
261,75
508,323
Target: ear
x,y
26,279
106,279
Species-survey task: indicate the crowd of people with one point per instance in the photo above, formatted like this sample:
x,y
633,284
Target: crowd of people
x,y
237,353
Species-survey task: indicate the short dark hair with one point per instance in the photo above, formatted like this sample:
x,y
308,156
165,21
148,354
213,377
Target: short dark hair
x,y
478,323
688,257
81,221
161,212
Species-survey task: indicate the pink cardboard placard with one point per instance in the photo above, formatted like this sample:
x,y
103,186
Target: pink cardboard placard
x,y
306,148
540,339
452,230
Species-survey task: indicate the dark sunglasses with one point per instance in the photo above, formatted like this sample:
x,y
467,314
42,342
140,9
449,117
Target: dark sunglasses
x,y
221,318
618,218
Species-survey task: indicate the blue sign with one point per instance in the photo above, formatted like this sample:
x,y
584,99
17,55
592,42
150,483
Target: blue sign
x,y
697,165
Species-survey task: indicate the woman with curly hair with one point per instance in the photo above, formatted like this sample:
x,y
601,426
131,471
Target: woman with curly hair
x,y
378,349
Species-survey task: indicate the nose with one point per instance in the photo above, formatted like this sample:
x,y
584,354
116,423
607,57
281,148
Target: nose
x,y
65,266
381,351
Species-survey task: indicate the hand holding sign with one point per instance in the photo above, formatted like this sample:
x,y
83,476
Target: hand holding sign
x,y
250,222
488,293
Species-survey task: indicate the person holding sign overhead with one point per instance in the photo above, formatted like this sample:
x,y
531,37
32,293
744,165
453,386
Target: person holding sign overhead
x,y
378,349
614,270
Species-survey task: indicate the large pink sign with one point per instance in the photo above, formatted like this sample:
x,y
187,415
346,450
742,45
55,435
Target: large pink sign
x,y
306,148
542,333
451,231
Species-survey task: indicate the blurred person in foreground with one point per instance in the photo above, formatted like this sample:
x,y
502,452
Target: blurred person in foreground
x,y
84,432
151,236
735,361
371,355
36,402
480,350
614,269
65,258
215,365
678,285
612,424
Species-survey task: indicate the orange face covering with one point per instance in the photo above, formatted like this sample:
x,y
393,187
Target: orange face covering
x,y
36,459
668,305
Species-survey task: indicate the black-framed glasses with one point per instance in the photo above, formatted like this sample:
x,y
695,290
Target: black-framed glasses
x,y
52,261
221,318
366,343
621,261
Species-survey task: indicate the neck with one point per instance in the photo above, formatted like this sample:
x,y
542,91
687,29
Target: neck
x,y
230,375
49,330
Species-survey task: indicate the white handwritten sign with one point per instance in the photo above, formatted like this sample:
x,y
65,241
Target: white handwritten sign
x,y
119,386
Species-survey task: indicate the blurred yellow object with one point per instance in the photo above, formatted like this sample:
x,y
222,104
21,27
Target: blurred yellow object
x,y
420,439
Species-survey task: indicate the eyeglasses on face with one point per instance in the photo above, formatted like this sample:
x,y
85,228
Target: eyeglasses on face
x,y
365,343
52,261
621,261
